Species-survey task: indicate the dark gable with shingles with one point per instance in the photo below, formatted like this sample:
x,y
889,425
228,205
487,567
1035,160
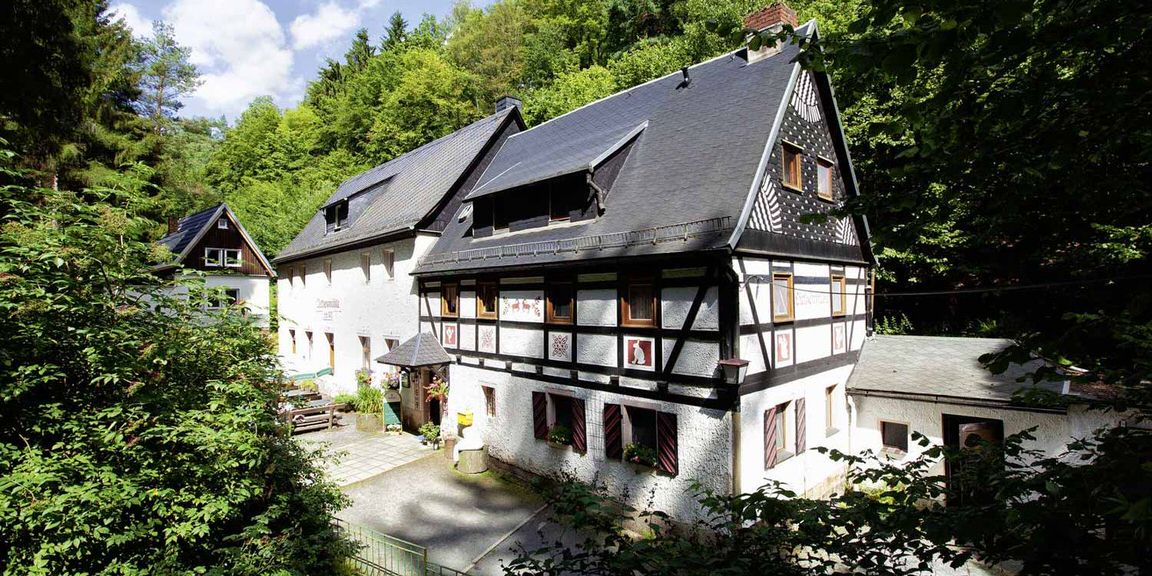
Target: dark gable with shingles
x,y
198,231
402,193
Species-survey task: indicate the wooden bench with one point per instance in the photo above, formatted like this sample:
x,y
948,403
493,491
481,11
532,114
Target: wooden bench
x,y
311,418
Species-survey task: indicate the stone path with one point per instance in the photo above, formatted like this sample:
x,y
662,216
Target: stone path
x,y
353,456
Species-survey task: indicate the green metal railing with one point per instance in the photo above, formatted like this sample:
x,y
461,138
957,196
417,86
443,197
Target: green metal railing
x,y
383,555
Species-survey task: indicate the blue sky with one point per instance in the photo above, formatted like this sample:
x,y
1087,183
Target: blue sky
x,y
250,48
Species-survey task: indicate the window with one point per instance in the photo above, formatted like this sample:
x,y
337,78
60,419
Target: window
x,y
232,258
336,216
489,401
839,295
366,352
830,410
450,300
639,304
487,294
389,263
561,411
214,257
894,435
328,270
391,343
779,437
559,204
303,271
308,335
366,266
499,216
824,180
642,425
230,297
222,223
559,303
288,274
551,411
331,350
782,297
292,340
792,157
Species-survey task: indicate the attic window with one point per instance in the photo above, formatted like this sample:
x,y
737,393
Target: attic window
x,y
336,216
824,179
222,223
791,174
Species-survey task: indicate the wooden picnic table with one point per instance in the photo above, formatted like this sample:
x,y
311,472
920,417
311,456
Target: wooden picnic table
x,y
315,415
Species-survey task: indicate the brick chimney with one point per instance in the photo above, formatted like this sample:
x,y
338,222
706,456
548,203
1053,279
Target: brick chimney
x,y
173,224
774,15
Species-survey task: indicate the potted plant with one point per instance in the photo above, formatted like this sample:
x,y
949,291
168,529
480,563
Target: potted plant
x,y
369,407
431,434
640,455
344,401
438,389
559,436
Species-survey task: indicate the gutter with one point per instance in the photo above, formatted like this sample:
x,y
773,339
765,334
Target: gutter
x,y
956,400
351,245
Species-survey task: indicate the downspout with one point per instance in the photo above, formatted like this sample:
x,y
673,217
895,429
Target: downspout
x,y
736,425
598,191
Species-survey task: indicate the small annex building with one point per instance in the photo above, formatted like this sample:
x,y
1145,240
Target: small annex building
x,y
214,243
938,386
345,292
633,293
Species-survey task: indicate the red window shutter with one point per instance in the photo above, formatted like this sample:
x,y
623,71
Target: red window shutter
x,y
769,438
801,426
613,441
539,415
579,435
666,443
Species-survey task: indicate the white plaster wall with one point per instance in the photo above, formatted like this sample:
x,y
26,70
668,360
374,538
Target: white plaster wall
x,y
813,342
384,307
598,349
521,342
809,472
704,440
596,307
1053,432
677,302
697,357
254,292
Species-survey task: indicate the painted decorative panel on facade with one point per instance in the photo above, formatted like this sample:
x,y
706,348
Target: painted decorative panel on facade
x,y
639,353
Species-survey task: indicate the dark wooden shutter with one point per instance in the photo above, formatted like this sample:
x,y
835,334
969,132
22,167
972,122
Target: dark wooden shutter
x,y
613,445
769,438
801,426
579,434
539,415
666,443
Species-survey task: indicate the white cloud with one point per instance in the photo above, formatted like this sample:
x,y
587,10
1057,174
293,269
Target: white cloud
x,y
130,14
240,50
329,22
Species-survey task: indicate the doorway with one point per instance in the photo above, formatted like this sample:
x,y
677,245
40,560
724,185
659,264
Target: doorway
x,y
977,441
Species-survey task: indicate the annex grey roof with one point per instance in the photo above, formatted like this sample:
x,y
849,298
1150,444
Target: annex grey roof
x,y
692,165
191,228
422,349
939,367
398,194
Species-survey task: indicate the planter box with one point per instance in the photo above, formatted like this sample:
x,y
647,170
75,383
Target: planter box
x,y
559,446
369,423
641,468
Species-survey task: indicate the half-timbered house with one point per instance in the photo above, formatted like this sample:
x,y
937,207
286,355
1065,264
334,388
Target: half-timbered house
x,y
345,293
215,244
657,287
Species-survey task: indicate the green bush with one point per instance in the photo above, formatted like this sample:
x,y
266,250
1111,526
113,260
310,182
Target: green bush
x,y
138,436
345,398
430,431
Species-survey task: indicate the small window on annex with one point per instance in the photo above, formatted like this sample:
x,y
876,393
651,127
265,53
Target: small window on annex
x,y
783,306
792,161
824,188
839,295
638,304
487,299
894,435
559,308
450,300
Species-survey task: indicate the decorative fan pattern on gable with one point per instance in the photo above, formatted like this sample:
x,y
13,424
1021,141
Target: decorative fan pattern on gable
x,y
767,214
804,99
846,232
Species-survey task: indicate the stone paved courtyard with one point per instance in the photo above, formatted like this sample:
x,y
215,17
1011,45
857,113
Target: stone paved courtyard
x,y
354,456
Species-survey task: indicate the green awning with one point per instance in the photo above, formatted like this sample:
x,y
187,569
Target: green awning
x,y
309,375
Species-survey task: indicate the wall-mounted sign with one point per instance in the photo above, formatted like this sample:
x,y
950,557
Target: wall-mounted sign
x,y
638,353
487,339
783,347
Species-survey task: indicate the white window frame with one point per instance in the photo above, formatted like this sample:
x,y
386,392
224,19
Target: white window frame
x,y
229,261
222,224
216,261
213,304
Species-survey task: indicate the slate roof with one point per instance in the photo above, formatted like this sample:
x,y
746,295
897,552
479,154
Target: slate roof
x,y
694,162
422,349
939,367
398,194
191,228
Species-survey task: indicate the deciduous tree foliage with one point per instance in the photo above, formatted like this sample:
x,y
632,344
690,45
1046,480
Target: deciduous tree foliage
x,y
137,434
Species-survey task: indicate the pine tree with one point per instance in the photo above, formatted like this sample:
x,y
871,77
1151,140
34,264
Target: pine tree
x,y
165,75
360,53
396,33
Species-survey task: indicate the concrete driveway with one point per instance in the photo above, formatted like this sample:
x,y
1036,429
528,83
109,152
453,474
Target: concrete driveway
x,y
460,518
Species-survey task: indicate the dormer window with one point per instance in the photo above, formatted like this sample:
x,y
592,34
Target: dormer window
x,y
559,204
336,216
